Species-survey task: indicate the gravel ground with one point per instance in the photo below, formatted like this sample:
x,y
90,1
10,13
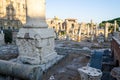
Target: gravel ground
x,y
82,44
67,68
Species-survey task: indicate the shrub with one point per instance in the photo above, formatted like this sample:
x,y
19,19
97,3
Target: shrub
x,y
8,36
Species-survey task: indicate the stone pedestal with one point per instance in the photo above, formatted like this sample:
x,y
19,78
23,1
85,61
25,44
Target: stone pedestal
x,y
89,73
36,45
36,41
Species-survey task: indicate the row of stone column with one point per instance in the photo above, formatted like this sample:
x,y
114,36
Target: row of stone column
x,y
92,31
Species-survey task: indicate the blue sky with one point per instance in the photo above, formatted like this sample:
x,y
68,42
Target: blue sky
x,y
83,10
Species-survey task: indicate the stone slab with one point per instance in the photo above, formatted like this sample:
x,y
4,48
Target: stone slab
x,y
21,71
89,73
49,64
36,32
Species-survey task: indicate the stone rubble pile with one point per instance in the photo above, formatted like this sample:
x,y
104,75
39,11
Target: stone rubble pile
x,y
89,73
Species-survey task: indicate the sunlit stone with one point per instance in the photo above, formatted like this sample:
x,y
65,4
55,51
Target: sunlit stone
x,y
36,41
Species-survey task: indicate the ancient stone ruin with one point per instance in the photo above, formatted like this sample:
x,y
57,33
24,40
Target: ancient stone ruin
x,y
89,73
36,41
36,46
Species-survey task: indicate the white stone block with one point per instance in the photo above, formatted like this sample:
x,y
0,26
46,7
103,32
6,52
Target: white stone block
x,y
89,73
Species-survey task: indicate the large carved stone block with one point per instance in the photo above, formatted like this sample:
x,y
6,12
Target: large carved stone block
x,y
36,45
20,71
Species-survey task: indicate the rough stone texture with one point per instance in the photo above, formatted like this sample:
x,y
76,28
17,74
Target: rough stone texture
x,y
116,50
1,39
89,73
36,41
66,69
37,44
21,71
116,73
51,62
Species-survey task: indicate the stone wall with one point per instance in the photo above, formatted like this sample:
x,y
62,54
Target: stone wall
x,y
116,50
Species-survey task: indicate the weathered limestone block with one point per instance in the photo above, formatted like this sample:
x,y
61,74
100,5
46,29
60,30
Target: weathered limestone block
x,y
89,73
36,46
116,73
20,71
1,38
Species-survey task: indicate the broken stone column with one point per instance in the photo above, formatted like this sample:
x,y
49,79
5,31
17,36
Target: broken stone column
x,y
115,25
88,30
96,30
91,27
89,73
116,34
35,40
79,34
91,31
20,71
116,73
106,31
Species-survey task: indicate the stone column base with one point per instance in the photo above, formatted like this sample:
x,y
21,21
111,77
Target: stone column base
x,y
36,45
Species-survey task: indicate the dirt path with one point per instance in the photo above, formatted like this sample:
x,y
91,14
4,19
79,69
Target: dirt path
x,y
67,68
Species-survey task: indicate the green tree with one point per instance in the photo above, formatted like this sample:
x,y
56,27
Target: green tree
x,y
8,36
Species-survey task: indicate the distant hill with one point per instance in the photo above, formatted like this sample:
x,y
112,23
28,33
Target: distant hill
x,y
111,28
112,21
